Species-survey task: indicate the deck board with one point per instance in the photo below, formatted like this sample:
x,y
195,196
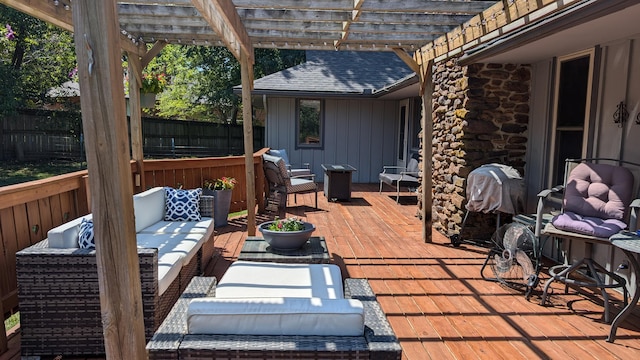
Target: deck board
x,y
433,294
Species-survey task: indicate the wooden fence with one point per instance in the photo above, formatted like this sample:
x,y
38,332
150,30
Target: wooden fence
x,y
58,135
29,210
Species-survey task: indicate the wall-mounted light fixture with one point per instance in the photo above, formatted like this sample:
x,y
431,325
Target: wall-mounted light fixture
x,y
621,114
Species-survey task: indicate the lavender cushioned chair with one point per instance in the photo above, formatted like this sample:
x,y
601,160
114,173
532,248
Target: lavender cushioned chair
x,y
597,197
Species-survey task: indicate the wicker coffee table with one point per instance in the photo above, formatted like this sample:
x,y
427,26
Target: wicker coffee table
x,y
313,252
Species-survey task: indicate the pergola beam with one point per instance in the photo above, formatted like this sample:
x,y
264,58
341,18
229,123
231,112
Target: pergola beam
x,y
492,20
62,18
224,19
153,52
411,63
355,15
44,10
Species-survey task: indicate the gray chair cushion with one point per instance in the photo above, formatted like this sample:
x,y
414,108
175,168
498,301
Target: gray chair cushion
x,y
301,185
602,228
281,153
599,190
412,167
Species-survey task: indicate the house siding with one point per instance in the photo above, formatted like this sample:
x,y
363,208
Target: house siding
x,y
361,133
618,74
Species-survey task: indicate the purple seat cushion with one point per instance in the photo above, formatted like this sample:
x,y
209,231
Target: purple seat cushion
x,y
599,190
602,228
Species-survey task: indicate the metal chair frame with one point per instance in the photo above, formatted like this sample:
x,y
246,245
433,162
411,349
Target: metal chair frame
x,y
589,273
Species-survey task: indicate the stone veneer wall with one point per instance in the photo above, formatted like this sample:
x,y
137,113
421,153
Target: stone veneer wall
x,y
480,116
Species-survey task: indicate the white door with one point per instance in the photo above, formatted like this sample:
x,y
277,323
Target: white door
x,y
403,133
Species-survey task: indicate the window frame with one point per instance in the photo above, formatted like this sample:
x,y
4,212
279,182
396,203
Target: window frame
x,y
320,144
556,163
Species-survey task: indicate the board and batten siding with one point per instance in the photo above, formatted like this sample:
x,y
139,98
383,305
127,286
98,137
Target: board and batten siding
x,y
618,81
361,133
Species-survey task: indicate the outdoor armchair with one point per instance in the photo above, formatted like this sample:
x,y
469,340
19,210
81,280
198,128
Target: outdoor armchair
x,y
596,205
282,153
399,176
281,183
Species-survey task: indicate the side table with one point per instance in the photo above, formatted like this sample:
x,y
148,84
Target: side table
x,y
337,181
629,243
313,251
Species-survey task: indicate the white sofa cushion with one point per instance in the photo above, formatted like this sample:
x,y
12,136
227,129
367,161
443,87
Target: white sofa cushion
x,y
184,244
255,279
65,236
169,266
183,227
148,207
276,316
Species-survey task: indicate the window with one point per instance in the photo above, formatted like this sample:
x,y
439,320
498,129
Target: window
x,y
574,79
309,123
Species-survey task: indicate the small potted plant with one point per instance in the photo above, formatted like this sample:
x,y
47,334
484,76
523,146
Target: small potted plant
x,y
221,190
152,84
286,234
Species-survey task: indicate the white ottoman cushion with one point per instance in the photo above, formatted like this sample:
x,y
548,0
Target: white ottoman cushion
x,y
246,279
276,316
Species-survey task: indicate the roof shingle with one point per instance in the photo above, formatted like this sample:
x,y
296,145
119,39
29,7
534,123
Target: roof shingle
x,y
337,72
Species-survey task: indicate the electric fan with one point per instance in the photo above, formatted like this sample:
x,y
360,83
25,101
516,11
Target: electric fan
x,y
514,259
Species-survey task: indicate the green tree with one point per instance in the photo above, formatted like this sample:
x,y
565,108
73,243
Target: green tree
x,y
34,57
179,100
202,79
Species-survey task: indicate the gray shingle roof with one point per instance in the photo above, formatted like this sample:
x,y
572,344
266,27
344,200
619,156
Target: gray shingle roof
x,y
338,73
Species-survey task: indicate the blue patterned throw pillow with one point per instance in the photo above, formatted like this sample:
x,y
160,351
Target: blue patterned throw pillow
x,y
85,236
182,205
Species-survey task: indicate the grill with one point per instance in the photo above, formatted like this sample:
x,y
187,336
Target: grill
x,y
492,188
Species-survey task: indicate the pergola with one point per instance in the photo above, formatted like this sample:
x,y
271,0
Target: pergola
x,y
426,28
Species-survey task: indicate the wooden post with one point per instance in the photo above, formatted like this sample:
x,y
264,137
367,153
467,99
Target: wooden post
x,y
246,68
135,118
426,79
97,42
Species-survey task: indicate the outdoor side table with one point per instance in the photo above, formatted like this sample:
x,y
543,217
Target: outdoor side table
x,y
313,251
337,181
629,243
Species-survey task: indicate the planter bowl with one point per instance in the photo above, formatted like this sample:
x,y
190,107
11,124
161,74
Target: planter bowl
x,y
286,240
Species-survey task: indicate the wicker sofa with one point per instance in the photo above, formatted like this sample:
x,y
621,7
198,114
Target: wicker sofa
x,y
58,282
266,333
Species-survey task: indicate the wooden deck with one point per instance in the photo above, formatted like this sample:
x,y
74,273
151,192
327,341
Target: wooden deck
x,y
433,294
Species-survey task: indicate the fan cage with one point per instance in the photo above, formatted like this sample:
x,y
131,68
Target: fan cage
x,y
515,257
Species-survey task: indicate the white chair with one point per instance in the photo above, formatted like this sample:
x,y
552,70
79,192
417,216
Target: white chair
x,y
399,176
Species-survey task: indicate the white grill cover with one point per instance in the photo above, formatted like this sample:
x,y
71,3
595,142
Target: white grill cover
x,y
495,187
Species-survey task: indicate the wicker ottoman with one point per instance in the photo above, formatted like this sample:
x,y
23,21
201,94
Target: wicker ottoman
x,y
171,340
